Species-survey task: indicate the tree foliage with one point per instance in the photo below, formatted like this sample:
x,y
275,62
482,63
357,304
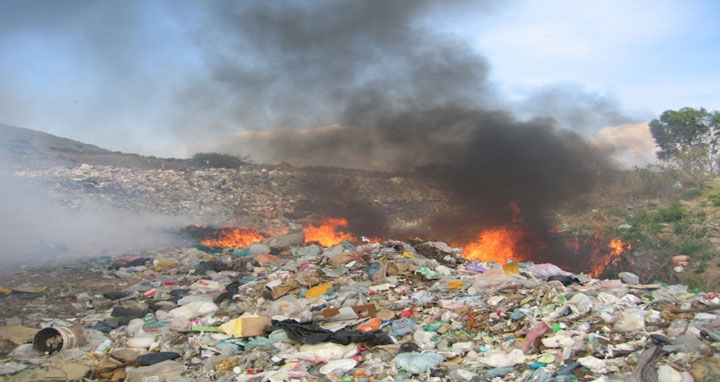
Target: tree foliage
x,y
689,137
217,160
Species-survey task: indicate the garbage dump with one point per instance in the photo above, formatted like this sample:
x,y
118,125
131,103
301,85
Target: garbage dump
x,y
360,311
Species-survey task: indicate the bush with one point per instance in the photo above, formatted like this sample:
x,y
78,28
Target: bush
x,y
644,221
654,182
715,199
615,211
690,246
691,194
696,282
674,213
217,160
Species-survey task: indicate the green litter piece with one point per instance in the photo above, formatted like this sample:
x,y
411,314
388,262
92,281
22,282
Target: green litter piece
x,y
200,328
433,327
207,249
428,273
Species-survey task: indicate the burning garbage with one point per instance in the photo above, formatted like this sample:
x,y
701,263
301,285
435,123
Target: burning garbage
x,y
369,311
234,237
328,232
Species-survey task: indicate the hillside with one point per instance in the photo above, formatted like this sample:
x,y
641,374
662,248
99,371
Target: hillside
x,y
661,214
25,148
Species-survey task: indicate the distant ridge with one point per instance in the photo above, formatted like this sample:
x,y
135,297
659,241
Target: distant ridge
x,y
22,148
26,148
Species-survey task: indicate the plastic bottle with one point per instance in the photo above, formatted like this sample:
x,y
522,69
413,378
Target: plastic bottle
x,y
539,375
102,348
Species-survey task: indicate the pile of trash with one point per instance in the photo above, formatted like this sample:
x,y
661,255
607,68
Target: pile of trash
x,y
248,196
286,310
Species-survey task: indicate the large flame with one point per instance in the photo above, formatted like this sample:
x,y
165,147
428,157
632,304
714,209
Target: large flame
x,y
601,260
327,233
234,237
499,244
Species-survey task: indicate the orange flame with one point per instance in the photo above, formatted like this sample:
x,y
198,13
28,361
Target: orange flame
x,y
495,244
327,233
234,237
601,261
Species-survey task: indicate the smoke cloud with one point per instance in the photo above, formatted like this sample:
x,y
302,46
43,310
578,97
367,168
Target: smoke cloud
x,y
361,84
37,228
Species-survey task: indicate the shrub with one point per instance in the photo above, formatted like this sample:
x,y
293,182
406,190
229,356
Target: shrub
x,y
615,211
696,282
217,160
715,199
691,194
674,213
690,246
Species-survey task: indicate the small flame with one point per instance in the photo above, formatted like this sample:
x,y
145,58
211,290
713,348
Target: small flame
x,y
601,261
495,244
327,233
234,237
616,246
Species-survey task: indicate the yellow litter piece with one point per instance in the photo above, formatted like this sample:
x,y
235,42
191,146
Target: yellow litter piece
x,y
408,254
511,268
164,264
455,284
5,291
246,326
318,291
232,327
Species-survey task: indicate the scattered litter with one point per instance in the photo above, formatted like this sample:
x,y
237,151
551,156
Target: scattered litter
x,y
286,310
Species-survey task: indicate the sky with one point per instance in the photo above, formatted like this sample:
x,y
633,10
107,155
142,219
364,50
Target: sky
x,y
134,76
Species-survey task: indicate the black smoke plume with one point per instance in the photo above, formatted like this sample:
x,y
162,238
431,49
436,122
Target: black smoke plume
x,y
390,95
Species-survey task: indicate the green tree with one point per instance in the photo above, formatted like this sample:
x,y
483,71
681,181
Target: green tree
x,y
689,138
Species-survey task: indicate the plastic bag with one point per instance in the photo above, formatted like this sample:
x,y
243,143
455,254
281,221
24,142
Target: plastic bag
x,y
308,333
402,327
533,334
417,363
545,270
501,359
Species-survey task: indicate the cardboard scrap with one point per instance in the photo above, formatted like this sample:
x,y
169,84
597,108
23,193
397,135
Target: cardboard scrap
x,y
17,334
126,355
280,289
405,269
246,326
350,312
66,371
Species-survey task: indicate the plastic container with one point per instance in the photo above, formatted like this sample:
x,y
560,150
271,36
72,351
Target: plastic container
x,y
51,340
